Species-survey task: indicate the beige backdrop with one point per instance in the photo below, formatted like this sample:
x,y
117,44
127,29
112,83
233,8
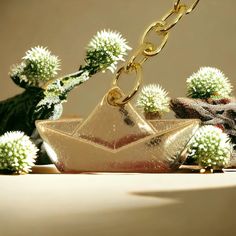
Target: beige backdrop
x,y
205,38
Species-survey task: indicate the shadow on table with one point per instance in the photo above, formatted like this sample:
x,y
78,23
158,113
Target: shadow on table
x,y
195,212
200,212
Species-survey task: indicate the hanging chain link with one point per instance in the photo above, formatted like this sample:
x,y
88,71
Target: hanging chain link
x,y
147,49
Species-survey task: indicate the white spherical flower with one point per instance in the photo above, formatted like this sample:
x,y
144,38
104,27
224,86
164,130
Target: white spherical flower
x,y
208,82
40,64
17,152
153,99
210,147
105,50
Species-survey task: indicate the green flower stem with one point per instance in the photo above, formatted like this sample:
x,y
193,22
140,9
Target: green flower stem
x,y
21,111
37,103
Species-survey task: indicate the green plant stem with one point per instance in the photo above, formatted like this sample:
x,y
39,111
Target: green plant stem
x,y
21,111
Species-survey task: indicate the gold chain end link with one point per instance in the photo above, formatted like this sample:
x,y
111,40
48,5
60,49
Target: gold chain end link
x,y
114,97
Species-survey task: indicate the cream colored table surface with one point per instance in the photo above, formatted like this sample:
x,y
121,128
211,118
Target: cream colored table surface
x,y
118,204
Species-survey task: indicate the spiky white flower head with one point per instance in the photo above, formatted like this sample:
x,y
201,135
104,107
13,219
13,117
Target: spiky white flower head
x,y
40,64
105,50
210,147
17,152
153,99
208,82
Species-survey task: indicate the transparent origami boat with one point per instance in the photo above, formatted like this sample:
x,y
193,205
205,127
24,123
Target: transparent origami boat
x,y
116,139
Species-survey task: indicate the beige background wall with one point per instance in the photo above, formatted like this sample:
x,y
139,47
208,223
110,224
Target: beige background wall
x,y
205,38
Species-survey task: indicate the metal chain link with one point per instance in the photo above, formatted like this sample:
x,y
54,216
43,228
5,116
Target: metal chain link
x,y
148,49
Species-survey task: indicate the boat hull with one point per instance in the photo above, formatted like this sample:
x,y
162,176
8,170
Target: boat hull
x,y
161,152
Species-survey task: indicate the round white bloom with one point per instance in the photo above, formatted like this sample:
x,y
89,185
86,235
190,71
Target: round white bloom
x,y
105,50
153,99
17,152
210,147
208,82
38,66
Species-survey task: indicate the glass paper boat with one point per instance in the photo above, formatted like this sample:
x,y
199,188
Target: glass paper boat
x,y
116,139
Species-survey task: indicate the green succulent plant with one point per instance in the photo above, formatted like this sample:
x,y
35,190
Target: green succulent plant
x,y
104,52
17,152
44,95
208,82
153,99
39,67
210,148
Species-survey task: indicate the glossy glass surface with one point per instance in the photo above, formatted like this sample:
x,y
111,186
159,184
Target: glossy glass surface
x,y
116,139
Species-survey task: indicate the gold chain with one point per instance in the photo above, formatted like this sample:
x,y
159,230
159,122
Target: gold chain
x,y
148,49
